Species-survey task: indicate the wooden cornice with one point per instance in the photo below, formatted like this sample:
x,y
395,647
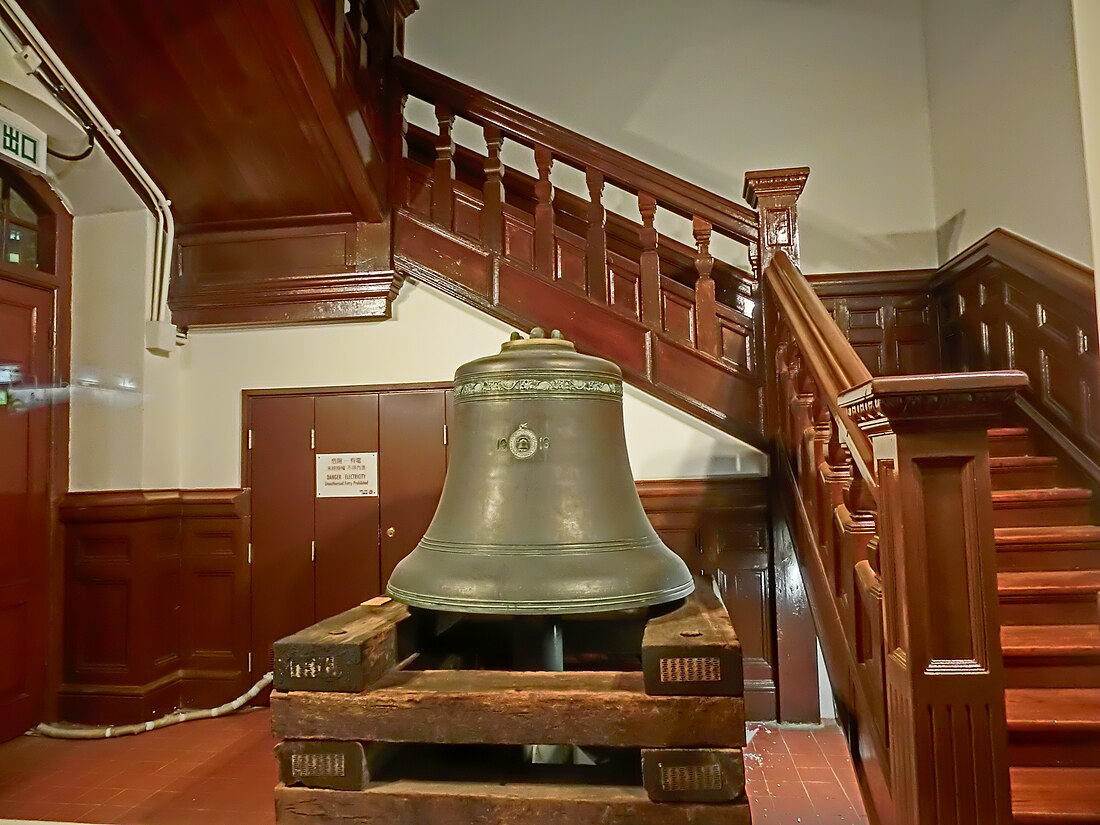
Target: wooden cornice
x,y
1072,280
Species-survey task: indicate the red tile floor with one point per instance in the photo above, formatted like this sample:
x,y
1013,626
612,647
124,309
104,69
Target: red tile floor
x,y
222,772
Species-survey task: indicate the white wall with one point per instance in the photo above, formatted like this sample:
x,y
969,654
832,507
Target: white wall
x,y
1086,33
429,336
1006,127
710,89
123,433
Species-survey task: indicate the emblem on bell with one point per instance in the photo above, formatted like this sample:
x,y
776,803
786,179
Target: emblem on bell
x,y
539,513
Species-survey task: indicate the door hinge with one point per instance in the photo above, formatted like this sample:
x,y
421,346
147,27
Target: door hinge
x,y
313,439
313,551
250,552
250,439
250,663
444,435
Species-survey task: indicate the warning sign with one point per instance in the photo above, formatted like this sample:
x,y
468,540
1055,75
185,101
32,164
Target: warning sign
x,y
347,475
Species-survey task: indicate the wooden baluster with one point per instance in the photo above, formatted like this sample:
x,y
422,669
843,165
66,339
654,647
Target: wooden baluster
x,y
649,265
399,172
706,313
545,242
835,475
443,171
822,424
596,252
492,211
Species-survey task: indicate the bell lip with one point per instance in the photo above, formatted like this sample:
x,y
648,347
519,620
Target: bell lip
x,y
542,608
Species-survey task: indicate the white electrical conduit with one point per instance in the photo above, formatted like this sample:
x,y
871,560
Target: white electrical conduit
x,y
166,225
82,732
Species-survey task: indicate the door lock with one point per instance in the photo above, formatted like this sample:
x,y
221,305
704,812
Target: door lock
x,y
390,531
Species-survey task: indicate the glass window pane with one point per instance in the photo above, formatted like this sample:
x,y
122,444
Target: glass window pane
x,y
20,245
20,209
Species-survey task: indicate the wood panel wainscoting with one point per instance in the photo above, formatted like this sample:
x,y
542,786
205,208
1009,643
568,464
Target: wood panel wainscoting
x,y
720,526
889,317
1007,303
156,602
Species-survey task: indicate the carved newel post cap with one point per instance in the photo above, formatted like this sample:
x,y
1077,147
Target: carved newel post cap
x,y
774,184
929,401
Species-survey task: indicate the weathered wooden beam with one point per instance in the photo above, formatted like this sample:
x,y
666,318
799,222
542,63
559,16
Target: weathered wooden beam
x,y
341,766
507,708
345,652
693,650
410,802
693,774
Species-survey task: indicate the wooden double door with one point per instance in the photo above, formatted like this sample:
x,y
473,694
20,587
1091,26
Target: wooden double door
x,y
317,549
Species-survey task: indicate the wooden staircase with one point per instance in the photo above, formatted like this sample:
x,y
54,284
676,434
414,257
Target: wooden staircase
x,y
691,330
1048,583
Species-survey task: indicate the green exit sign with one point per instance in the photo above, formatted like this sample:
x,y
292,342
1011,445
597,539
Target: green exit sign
x,y
22,142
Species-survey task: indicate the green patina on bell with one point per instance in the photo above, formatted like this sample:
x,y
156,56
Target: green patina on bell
x,y
539,513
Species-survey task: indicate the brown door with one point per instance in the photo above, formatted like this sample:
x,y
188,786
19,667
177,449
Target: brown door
x,y
412,463
26,318
315,556
281,477
346,564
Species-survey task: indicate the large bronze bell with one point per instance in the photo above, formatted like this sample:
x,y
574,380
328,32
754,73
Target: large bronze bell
x,y
539,513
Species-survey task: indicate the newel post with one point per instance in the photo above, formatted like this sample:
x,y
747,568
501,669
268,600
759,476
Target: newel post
x,y
774,194
945,703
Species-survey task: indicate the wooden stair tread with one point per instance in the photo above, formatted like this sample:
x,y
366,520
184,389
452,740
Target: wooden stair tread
x,y
1038,496
1041,795
1003,462
1052,709
1048,582
1007,432
1051,640
1062,535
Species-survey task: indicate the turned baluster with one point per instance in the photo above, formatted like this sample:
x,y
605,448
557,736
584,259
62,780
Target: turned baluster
x,y
443,171
492,212
399,173
544,213
596,253
706,313
836,475
816,440
649,265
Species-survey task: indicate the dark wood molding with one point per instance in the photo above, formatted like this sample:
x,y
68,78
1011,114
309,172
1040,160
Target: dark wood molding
x,y
284,274
156,605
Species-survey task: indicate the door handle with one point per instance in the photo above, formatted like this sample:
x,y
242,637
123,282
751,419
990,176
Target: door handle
x,y
390,532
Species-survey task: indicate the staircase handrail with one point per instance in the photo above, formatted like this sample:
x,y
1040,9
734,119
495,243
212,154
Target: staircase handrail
x,y
686,199
833,363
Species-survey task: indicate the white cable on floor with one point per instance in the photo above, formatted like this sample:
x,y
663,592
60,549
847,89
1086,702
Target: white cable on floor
x,y
90,732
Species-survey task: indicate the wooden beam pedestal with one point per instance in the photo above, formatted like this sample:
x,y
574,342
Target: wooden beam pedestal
x,y
683,712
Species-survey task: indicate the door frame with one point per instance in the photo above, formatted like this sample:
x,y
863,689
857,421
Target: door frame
x,y
55,220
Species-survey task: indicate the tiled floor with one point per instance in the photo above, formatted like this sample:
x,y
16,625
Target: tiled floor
x,y
221,772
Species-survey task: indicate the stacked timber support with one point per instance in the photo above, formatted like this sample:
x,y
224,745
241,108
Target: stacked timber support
x,y
370,737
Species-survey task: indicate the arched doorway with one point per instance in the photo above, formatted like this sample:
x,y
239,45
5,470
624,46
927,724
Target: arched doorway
x,y
35,265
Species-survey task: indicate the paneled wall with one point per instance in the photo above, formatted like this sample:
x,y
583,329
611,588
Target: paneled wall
x,y
158,592
720,527
156,601
889,317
